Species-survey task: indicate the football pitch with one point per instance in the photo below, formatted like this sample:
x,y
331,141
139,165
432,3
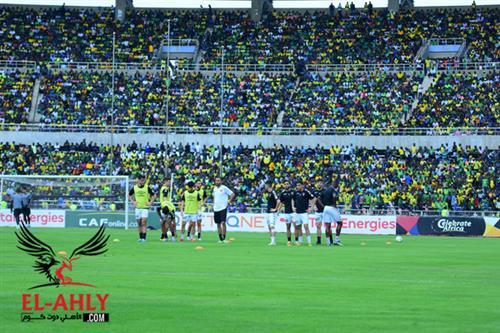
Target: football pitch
x,y
424,284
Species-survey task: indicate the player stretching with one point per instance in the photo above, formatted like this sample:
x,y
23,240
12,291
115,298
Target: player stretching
x,y
141,196
272,205
285,199
222,197
201,203
301,200
330,215
319,209
166,211
189,209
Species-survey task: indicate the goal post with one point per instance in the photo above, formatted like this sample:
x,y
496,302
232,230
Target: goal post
x,y
93,200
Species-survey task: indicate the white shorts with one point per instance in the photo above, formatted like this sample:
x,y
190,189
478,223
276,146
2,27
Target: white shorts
x,y
271,219
302,218
190,217
318,217
288,218
141,213
331,214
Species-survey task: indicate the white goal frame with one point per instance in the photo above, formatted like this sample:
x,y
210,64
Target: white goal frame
x,y
82,177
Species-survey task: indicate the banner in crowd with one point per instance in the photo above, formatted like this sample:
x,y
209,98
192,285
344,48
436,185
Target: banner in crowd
x,y
47,218
352,224
448,226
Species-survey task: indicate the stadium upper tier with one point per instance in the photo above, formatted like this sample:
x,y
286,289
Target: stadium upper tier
x,y
259,100
416,178
28,33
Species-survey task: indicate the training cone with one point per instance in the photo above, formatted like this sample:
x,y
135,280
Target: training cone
x,y
232,239
199,248
388,243
116,240
363,243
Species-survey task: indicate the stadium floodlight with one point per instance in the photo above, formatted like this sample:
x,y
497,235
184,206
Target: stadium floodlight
x,y
77,194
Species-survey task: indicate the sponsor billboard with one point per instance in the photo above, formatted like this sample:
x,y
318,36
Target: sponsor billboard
x,y
47,218
448,225
352,224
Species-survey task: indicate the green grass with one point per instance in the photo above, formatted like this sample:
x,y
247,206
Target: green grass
x,y
425,284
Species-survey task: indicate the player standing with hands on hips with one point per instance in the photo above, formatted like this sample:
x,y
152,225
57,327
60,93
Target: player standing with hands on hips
x,y
222,197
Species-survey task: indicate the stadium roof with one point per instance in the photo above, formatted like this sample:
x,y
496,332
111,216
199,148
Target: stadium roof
x,y
240,3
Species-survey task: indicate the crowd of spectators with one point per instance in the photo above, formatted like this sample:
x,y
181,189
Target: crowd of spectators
x,y
452,177
346,36
459,100
252,100
72,35
375,100
341,36
16,89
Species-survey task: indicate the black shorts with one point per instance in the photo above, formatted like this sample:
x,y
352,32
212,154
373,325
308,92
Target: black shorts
x,y
220,216
166,213
26,211
17,212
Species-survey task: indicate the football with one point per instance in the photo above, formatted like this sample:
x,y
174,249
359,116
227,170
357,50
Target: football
x,y
398,239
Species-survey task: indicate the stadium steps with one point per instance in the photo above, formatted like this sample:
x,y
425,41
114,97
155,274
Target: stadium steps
x,y
34,117
279,118
426,83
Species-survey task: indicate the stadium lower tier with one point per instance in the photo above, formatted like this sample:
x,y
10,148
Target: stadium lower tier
x,y
419,178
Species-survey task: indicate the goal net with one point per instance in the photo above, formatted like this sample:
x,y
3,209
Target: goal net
x,y
67,201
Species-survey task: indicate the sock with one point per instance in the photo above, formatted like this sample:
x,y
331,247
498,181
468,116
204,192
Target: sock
x,y
273,239
223,236
220,237
289,239
328,241
319,240
199,235
296,238
300,239
189,233
309,239
331,239
144,234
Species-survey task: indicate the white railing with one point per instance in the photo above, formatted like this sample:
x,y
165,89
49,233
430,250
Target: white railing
x,y
365,68
249,131
104,66
464,66
17,64
237,67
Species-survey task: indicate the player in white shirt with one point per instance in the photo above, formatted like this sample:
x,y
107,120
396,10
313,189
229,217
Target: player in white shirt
x,y
222,197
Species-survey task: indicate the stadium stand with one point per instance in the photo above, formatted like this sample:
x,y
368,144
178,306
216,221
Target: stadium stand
x,y
415,178
15,96
353,69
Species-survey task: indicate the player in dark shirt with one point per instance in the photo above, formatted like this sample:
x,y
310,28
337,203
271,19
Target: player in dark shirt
x,y
328,198
285,200
301,202
318,206
272,216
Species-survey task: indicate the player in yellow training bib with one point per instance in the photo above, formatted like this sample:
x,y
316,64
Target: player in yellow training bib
x,y
166,212
203,200
189,209
141,196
